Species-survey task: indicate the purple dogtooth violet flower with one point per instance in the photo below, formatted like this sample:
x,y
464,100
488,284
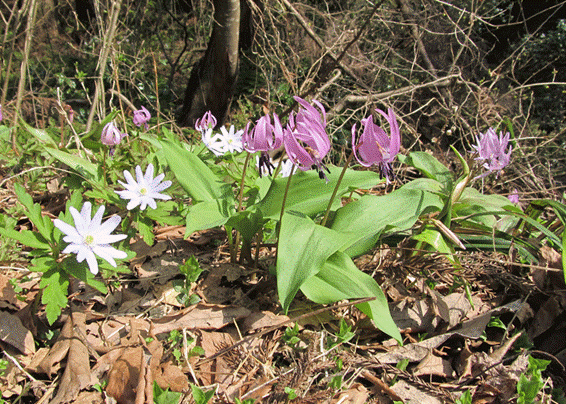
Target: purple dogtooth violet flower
x,y
491,150
374,146
141,117
514,197
110,135
305,138
208,121
1,117
263,137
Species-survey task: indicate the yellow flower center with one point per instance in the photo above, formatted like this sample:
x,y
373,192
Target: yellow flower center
x,y
143,191
88,240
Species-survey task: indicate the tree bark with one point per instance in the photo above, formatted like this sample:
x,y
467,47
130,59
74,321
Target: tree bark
x,y
211,84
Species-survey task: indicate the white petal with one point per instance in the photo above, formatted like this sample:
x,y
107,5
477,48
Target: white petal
x,y
133,203
127,194
92,263
139,174
66,228
97,219
109,225
148,177
72,249
80,224
156,195
157,179
129,178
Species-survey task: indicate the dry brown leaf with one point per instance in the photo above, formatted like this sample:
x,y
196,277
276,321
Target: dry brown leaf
x,y
435,366
263,319
356,394
415,315
215,371
413,395
10,382
77,375
201,316
172,377
124,376
14,333
167,294
8,297
38,357
52,362
545,317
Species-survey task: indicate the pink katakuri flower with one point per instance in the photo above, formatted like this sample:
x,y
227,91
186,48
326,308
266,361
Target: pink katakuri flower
x,y
208,121
491,150
374,146
305,138
141,117
110,135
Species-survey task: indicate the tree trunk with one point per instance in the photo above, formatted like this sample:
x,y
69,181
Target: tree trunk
x,y
212,80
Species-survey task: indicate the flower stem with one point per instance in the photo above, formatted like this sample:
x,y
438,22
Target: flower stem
x,y
240,199
346,164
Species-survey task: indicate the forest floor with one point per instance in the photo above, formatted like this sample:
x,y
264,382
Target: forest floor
x,y
473,329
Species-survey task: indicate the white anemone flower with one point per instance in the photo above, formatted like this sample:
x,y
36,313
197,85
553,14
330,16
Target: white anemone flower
x,y
215,143
145,190
232,139
91,237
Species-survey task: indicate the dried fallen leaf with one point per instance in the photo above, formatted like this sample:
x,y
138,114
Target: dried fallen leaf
x,y
77,375
14,333
356,394
435,366
202,317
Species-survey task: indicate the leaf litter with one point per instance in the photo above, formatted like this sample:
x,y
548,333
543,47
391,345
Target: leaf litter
x,y
119,345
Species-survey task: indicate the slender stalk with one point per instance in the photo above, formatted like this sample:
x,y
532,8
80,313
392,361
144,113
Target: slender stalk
x,y
240,199
323,223
283,203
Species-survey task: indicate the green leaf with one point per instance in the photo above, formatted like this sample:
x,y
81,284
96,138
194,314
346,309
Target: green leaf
x,y
434,238
80,271
309,194
42,264
430,167
363,221
77,163
161,396
247,222
33,211
200,396
55,285
208,214
193,174
340,279
40,135
26,237
145,227
303,249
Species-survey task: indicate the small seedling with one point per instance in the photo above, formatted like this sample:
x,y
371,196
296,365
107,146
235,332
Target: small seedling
x,y
531,383
161,396
200,396
191,269
290,336
291,394
345,334
465,398
246,401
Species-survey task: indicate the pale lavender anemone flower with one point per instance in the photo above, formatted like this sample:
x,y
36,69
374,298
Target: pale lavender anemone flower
x,y
141,117
264,137
374,146
110,135
145,189
491,150
305,138
90,237
208,121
